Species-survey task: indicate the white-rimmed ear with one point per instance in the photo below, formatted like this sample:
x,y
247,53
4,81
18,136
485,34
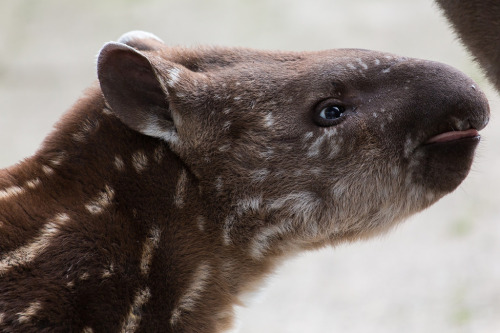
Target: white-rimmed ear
x,y
134,90
141,40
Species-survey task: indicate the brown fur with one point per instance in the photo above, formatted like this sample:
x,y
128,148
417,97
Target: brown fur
x,y
173,188
477,23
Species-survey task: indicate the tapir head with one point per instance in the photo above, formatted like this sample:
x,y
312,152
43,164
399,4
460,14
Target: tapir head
x,y
312,147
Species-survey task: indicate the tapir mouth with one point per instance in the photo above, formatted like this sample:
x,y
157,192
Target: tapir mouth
x,y
447,154
470,133
460,130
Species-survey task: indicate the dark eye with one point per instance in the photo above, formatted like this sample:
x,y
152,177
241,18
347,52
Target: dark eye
x,y
329,115
331,112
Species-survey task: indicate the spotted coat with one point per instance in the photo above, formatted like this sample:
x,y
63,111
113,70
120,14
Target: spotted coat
x,y
177,183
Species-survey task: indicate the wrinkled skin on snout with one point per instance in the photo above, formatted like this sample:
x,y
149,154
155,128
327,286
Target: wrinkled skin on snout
x,y
296,150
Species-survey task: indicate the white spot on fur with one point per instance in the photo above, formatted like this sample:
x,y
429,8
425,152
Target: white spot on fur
x,y
79,136
261,242
307,136
47,170
84,276
377,62
249,204
298,172
2,317
88,329
395,170
387,70
139,161
351,66
178,120
101,201
269,120
408,146
301,203
219,184
106,273
57,160
118,163
150,245
314,148
266,154
316,171
225,147
200,222
330,132
155,130
375,115
259,175
33,183
226,125
87,127
28,313
173,76
134,316
363,65
25,254
10,192
335,148
226,232
195,290
181,189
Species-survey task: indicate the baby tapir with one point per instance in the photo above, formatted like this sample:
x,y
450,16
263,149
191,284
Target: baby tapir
x,y
187,175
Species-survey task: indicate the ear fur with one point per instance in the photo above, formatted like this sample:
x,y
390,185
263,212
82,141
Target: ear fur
x,y
141,40
134,90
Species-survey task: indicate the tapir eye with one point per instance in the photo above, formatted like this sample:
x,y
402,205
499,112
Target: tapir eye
x,y
331,112
329,115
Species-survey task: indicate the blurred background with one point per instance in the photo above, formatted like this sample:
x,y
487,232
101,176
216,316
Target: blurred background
x,y
438,272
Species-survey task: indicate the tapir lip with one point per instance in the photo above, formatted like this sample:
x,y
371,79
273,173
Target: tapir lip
x,y
455,129
470,133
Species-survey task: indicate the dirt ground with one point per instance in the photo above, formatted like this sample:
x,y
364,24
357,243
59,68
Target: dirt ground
x,y
438,272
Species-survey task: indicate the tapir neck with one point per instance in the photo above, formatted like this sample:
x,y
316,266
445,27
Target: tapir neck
x,y
91,167
111,209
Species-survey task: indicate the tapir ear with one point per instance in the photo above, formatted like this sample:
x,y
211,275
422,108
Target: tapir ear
x,y
133,89
141,40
